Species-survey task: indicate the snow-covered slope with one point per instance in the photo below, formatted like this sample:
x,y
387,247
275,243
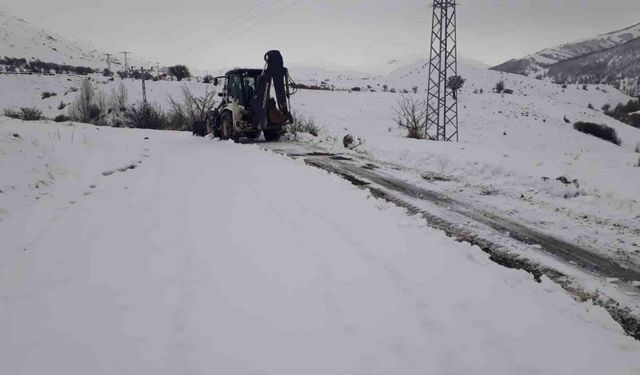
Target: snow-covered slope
x,y
144,252
19,39
524,134
537,63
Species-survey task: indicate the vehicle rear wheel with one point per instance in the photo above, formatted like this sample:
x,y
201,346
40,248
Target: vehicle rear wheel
x,y
227,130
272,135
253,135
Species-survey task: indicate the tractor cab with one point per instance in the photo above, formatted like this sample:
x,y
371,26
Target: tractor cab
x,y
240,84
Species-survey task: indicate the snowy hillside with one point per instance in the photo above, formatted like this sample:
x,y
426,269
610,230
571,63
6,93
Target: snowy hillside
x,y
581,52
19,39
603,66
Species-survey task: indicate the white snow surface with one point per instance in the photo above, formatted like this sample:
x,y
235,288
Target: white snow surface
x,y
510,144
216,258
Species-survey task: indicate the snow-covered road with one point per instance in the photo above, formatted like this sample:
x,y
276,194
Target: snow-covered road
x,y
126,255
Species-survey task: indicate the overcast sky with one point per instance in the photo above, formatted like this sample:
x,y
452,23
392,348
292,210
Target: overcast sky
x,y
352,33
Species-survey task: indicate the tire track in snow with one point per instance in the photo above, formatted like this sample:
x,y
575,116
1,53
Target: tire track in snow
x,y
474,231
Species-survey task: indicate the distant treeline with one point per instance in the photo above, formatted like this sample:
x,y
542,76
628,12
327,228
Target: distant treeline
x,y
21,65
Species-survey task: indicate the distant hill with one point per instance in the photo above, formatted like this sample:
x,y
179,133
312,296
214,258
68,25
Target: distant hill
x,y
19,39
607,58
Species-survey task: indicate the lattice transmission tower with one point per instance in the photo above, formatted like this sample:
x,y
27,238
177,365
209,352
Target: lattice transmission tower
x,y
442,102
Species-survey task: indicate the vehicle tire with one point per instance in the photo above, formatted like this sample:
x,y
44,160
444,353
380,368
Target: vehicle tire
x,y
272,135
227,130
199,128
253,135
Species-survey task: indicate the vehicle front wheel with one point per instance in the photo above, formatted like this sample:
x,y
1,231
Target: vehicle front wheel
x,y
227,130
272,135
199,128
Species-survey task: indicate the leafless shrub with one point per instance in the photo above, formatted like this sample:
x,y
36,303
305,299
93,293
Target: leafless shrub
x,y
31,114
302,124
84,108
145,116
12,113
47,94
116,106
411,114
119,98
192,109
601,131
25,113
638,148
61,118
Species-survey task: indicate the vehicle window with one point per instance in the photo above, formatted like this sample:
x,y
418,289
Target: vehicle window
x,y
235,86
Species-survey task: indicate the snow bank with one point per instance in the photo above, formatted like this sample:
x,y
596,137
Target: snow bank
x,y
210,257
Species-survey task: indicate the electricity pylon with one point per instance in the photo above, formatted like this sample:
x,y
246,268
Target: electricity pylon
x,y
442,102
126,61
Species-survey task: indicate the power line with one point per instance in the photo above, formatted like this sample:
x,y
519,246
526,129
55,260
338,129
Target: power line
x,y
267,19
229,33
231,25
271,16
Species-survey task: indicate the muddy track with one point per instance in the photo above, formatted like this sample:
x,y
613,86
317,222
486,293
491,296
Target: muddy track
x,y
381,185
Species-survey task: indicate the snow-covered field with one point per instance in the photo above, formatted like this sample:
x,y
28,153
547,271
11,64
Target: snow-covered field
x,y
513,147
26,91
173,254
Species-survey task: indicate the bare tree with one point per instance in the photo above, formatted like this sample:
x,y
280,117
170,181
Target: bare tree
x,y
455,83
411,114
180,72
193,110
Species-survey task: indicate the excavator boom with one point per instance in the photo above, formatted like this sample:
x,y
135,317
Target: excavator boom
x,y
274,74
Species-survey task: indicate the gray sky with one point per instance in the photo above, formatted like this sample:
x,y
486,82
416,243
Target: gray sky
x,y
348,33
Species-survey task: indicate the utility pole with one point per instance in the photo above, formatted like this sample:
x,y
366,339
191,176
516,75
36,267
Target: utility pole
x,y
126,61
442,102
144,88
108,61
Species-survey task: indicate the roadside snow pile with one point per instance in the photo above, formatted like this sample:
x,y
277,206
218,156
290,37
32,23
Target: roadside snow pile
x,y
211,257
